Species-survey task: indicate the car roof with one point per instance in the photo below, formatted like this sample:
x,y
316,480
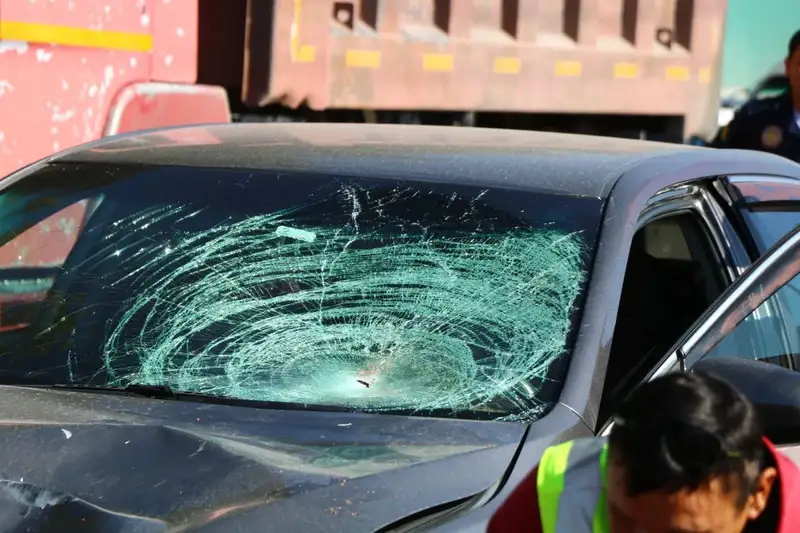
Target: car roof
x,y
579,165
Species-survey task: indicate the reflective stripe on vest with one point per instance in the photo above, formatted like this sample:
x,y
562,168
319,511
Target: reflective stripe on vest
x,y
571,487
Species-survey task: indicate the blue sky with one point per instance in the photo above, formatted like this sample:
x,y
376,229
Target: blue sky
x,y
756,36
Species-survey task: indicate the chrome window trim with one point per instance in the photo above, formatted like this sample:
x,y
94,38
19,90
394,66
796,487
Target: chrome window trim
x,y
745,178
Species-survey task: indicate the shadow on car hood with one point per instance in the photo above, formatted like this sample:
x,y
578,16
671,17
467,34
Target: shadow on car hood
x,y
95,462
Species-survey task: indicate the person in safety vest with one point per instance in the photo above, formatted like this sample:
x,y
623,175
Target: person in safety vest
x,y
769,124
685,455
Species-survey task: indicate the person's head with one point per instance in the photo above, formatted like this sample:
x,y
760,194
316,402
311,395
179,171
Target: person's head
x,y
686,456
792,64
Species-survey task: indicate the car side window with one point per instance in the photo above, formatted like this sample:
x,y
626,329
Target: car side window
x,y
770,207
770,333
750,328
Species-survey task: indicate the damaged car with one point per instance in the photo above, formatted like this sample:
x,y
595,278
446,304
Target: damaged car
x,y
331,327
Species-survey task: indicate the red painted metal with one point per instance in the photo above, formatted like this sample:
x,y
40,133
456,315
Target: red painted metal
x,y
29,249
604,36
54,97
45,244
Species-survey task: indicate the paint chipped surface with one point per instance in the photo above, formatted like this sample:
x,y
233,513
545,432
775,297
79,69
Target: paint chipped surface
x,y
5,87
30,496
112,15
19,47
52,98
43,55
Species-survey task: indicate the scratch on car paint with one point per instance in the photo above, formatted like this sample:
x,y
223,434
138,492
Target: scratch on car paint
x,y
67,433
437,318
199,449
30,495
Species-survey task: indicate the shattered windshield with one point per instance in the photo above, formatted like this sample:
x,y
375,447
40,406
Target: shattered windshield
x,y
378,295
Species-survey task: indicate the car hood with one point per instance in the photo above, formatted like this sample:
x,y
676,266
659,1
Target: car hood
x,y
99,462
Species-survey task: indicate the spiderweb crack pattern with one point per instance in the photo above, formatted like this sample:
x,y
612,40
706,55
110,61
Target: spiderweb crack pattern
x,y
278,308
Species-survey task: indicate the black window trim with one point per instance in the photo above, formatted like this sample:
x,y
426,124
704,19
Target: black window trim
x,y
694,198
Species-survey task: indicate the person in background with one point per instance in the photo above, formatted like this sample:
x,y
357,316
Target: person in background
x,y
685,455
771,124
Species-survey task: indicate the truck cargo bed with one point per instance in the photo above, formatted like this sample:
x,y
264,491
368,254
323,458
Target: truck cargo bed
x,y
634,57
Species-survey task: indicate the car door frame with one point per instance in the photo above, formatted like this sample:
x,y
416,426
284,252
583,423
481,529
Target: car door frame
x,y
782,261
627,196
694,198
740,190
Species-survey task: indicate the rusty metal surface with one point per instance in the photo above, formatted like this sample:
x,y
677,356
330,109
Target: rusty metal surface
x,y
526,55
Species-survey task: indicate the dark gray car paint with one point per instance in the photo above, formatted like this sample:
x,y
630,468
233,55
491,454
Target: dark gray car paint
x,y
150,465
627,173
565,164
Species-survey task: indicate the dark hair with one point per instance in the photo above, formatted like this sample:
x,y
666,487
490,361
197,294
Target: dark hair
x,y
794,44
681,430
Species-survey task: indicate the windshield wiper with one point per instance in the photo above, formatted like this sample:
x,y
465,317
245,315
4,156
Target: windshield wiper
x,y
165,392
161,392
152,391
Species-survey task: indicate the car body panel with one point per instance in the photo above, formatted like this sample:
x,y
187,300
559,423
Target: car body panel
x,y
188,463
560,163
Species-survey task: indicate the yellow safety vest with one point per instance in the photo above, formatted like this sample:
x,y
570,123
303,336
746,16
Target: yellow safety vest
x,y
571,487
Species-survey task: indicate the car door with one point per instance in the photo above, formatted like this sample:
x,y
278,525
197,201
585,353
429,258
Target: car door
x,y
731,329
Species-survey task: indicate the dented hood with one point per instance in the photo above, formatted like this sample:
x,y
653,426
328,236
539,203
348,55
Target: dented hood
x,y
98,462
